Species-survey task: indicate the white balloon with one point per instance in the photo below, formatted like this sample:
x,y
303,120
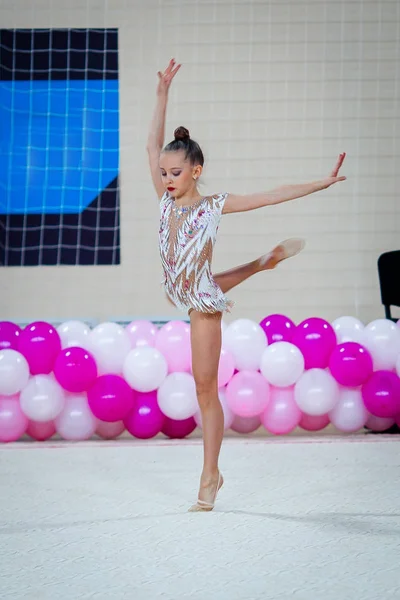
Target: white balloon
x,y
349,414
74,333
316,392
382,339
228,414
348,329
14,372
177,396
76,421
247,341
145,368
42,399
282,363
110,344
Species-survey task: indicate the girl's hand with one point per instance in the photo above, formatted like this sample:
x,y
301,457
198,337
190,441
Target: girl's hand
x,y
333,178
165,79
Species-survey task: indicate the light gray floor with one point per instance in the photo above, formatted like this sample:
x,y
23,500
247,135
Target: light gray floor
x,y
297,519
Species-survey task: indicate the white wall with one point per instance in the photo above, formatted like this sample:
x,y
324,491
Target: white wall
x,y
273,91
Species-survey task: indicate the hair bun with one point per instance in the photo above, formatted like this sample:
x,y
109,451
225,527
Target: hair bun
x,y
181,133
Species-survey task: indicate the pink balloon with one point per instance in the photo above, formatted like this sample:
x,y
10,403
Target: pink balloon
x,y
40,343
141,333
350,364
245,424
381,394
13,422
379,423
145,420
75,369
110,398
278,328
316,339
173,341
282,414
178,429
314,422
9,335
109,431
247,393
226,367
41,431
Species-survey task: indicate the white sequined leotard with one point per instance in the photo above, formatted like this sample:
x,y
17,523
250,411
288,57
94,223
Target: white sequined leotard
x,y
187,235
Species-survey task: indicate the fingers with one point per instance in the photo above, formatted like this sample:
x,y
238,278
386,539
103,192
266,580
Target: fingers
x,y
338,164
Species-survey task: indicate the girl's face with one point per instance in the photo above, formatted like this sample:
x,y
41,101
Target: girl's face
x,y
178,175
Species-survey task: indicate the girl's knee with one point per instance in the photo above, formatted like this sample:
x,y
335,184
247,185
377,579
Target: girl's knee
x,y
206,388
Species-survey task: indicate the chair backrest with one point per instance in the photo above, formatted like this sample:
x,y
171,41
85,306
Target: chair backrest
x,y
389,278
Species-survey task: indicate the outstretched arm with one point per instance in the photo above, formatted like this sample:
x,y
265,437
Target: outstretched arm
x,y
237,203
155,140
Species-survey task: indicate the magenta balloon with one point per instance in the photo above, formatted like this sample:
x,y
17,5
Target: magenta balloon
x,y
314,422
13,422
110,398
316,339
145,420
40,343
350,364
278,328
178,429
9,335
381,394
75,369
41,431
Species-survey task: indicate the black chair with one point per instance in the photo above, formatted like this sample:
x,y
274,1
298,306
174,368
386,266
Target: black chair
x,y
389,280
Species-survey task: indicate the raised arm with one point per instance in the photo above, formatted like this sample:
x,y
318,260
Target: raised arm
x,y
155,142
238,203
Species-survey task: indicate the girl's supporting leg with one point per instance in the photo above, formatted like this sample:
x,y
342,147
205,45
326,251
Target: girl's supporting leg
x,y
205,333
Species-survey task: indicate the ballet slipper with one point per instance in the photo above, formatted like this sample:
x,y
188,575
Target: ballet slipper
x,y
284,250
201,505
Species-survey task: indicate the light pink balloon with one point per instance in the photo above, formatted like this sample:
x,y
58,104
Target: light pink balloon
x,y
141,333
13,422
41,431
247,393
76,422
226,367
173,341
109,431
282,414
379,423
245,424
314,422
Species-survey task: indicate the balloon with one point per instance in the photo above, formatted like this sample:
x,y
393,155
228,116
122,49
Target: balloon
x,y
110,398
75,370
382,339
76,422
381,394
13,422
41,431
178,429
379,423
42,399
349,414
247,341
247,394
141,333
316,339
145,368
14,372
9,335
173,341
278,328
314,422
110,344
316,392
282,414
145,420
245,424
226,367
109,431
282,364
228,414
40,343
74,334
177,396
350,364
398,365
348,329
